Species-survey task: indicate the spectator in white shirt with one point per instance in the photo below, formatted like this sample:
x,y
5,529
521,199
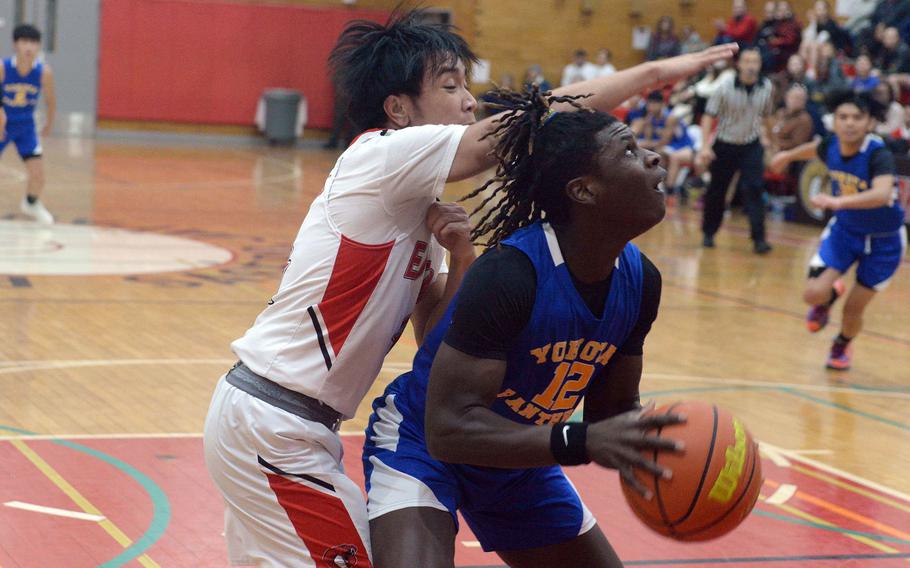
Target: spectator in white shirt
x,y
578,70
602,64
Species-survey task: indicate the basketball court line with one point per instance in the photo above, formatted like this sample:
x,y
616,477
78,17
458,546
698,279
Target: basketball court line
x,y
54,511
109,527
845,513
161,516
859,480
46,364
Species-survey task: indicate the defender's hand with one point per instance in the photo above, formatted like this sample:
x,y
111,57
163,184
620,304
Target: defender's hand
x,y
451,226
675,68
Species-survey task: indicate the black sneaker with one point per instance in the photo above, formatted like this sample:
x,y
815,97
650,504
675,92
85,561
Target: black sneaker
x,y
761,247
708,241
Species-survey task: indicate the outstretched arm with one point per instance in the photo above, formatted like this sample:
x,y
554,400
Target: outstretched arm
x,y
881,195
802,152
473,155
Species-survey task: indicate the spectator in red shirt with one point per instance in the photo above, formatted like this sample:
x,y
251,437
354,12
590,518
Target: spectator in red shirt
x,y
785,37
741,27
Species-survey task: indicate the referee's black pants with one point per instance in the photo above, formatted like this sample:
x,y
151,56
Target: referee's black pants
x,y
748,159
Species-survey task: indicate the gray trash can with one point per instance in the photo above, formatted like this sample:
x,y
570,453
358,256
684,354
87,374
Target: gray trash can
x,y
281,115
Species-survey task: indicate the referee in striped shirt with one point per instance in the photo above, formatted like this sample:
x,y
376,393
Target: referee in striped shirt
x,y
741,104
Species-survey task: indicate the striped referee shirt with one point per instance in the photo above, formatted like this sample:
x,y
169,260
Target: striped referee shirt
x,y
739,110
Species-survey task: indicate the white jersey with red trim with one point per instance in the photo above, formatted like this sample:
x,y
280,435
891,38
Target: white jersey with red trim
x,y
359,263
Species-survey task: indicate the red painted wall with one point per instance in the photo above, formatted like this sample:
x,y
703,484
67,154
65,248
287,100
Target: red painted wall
x,y
209,61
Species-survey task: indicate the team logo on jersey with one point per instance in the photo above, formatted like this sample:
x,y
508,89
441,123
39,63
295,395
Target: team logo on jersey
x,y
342,556
847,183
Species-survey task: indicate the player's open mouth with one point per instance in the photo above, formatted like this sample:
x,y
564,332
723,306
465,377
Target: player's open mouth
x,y
661,177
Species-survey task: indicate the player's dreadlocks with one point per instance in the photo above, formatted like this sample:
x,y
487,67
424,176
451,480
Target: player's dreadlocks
x,y
539,152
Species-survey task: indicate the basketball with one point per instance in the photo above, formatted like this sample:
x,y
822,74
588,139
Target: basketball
x,y
716,478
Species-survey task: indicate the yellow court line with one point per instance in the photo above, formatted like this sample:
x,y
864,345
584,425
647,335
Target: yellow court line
x,y
79,500
882,527
849,487
863,539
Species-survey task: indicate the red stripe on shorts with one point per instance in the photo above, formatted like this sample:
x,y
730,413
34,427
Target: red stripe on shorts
x,y
323,523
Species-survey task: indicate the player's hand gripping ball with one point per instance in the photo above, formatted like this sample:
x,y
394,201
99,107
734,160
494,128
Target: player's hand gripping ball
x,y
716,478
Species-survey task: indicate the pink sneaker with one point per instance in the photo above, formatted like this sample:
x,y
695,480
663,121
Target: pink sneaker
x,y
839,358
817,318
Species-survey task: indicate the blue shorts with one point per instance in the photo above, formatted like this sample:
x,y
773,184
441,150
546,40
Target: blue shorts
x,y
25,136
878,255
507,509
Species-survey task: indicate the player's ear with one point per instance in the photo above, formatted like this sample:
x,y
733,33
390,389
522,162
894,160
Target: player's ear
x,y
396,109
579,190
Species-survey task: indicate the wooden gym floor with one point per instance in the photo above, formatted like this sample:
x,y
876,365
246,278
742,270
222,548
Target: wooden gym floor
x,y
117,322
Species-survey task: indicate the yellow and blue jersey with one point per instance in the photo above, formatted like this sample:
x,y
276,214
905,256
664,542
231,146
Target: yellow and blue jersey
x,y
854,174
21,92
560,350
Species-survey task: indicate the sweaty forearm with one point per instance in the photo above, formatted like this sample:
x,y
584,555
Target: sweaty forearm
x,y
609,92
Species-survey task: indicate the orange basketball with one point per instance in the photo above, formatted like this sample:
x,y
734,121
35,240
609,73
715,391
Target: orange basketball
x,y
716,479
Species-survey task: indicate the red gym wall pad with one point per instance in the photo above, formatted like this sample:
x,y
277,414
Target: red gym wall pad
x,y
207,62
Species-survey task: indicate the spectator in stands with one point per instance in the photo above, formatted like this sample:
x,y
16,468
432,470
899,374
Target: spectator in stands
x,y
827,74
664,42
891,13
822,28
894,56
794,73
534,76
864,80
741,27
894,112
894,60
785,37
603,65
791,124
578,70
691,40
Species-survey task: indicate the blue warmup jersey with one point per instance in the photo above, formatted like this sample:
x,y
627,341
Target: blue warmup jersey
x,y
563,347
851,176
20,97
680,137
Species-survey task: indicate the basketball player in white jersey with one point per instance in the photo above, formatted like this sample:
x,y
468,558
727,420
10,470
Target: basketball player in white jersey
x,y
368,257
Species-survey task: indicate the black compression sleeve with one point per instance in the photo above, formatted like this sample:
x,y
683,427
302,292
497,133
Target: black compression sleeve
x,y
494,303
881,163
822,148
650,302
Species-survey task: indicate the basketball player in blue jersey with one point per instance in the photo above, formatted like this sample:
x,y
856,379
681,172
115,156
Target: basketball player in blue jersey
x,y
23,77
661,131
556,310
867,226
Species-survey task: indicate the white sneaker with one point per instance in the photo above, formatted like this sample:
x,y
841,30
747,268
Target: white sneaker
x,y
37,211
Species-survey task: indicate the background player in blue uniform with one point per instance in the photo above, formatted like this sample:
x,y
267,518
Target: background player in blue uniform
x,y
660,130
867,226
23,77
555,311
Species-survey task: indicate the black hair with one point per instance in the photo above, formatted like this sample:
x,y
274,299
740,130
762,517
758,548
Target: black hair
x,y
539,152
747,50
372,61
862,100
26,31
655,96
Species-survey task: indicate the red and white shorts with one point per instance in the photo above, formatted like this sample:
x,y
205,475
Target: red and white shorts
x,y
287,499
